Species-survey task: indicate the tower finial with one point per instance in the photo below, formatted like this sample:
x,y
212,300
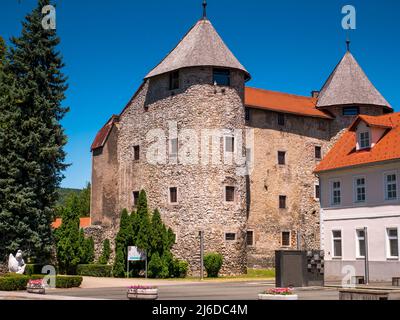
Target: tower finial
x,y
348,41
204,9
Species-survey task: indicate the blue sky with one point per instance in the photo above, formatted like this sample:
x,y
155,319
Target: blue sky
x,y
287,45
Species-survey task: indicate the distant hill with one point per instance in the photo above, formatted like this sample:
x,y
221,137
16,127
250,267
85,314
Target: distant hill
x,y
64,193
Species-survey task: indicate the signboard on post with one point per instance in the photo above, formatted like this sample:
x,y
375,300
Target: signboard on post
x,y
136,254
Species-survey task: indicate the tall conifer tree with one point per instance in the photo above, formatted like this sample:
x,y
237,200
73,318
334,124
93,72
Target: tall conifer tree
x,y
32,140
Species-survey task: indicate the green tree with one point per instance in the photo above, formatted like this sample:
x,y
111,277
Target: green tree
x,y
123,239
158,234
106,253
84,201
143,236
3,50
69,241
33,157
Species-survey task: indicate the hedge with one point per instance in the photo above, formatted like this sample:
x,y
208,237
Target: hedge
x,y
95,270
33,269
14,282
213,263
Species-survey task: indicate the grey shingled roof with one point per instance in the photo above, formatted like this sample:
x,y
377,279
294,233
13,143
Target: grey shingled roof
x,y
201,46
348,84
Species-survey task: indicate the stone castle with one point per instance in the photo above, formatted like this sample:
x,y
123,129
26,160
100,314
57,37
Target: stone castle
x,y
217,156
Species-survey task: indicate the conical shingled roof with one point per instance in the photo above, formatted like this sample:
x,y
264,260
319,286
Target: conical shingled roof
x,y
348,84
202,46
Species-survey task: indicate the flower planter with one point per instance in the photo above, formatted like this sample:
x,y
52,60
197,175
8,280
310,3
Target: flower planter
x,y
36,290
291,297
143,294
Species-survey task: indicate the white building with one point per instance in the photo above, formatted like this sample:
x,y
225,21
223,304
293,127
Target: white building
x,y
359,181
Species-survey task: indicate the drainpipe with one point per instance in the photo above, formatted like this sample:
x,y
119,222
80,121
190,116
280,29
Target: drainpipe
x,y
366,256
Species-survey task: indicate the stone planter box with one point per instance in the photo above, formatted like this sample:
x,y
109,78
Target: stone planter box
x,y
278,297
36,290
142,294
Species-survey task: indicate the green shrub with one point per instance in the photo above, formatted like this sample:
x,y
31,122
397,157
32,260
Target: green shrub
x,y
13,282
33,269
158,267
106,253
66,282
94,270
180,268
213,263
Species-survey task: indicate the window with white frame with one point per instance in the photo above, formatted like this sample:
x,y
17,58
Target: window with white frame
x,y
229,144
337,243
360,243
336,193
364,140
360,188
391,186
392,243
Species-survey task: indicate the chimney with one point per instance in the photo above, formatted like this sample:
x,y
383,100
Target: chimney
x,y
315,94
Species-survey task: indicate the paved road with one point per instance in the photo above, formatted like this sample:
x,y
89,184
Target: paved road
x,y
203,291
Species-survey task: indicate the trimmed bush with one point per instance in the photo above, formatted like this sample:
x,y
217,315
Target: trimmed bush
x,y
66,282
95,270
158,267
212,264
180,268
13,282
33,269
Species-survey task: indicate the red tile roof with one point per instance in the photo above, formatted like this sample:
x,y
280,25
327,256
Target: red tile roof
x,y
283,102
344,154
85,222
103,134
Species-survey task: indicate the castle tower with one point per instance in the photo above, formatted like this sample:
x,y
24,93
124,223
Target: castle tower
x,y
348,92
177,140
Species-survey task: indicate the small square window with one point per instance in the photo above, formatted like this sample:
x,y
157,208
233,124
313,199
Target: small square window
x,y
281,119
281,157
136,153
250,238
230,236
282,202
136,198
364,140
173,195
285,239
229,194
318,152
222,77
174,80
391,186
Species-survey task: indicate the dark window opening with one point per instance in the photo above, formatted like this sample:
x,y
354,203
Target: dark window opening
x,y
318,152
281,157
286,239
230,236
281,119
351,111
222,77
250,238
282,202
317,192
247,114
136,198
173,195
136,153
229,194
174,80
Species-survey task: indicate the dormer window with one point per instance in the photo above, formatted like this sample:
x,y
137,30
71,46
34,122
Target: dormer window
x,y
174,80
222,77
364,140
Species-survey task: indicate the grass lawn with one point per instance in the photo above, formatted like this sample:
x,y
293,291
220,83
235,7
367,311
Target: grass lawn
x,y
257,274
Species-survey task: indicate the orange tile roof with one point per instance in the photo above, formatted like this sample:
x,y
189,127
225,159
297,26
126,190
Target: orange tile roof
x,y
283,102
344,154
382,122
85,222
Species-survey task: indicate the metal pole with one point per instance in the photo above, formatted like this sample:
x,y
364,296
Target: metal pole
x,y
146,264
202,255
127,264
366,256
